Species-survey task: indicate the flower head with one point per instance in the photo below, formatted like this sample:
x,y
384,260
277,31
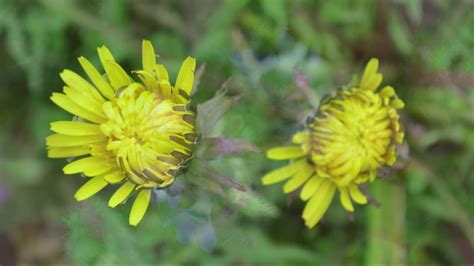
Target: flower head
x,y
138,135
353,135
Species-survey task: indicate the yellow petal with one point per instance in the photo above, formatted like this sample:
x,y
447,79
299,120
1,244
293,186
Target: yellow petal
x,y
148,56
67,104
121,194
370,69
185,78
162,72
165,88
117,76
369,73
104,87
300,177
300,137
65,152
343,168
322,207
397,104
105,55
76,82
345,199
139,207
73,128
317,198
387,92
352,173
374,83
399,136
90,188
356,195
91,166
149,80
59,140
340,160
310,187
84,101
390,156
114,177
279,174
285,153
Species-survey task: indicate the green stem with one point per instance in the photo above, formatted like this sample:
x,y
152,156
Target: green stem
x,y
386,226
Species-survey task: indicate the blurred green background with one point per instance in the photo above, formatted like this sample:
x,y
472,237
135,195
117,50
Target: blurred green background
x,y
426,204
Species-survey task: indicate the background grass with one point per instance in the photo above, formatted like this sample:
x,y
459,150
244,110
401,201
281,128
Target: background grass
x,y
426,207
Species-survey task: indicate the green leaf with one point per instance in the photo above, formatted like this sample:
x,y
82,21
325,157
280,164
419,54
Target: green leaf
x,y
211,111
216,148
399,33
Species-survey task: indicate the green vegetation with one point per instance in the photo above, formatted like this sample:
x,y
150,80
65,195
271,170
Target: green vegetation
x,y
426,208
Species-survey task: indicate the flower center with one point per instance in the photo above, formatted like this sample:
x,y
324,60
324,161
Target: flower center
x,y
350,136
151,139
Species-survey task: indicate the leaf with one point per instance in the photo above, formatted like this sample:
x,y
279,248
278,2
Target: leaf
x,y
214,148
254,205
197,78
201,169
399,33
276,9
210,112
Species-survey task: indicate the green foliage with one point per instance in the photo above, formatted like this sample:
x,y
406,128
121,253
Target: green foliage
x,y
425,51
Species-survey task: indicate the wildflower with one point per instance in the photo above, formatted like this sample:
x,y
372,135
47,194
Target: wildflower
x,y
139,135
351,137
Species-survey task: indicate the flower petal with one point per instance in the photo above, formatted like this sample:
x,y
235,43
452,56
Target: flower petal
x,y
65,152
114,177
279,174
345,199
73,80
69,105
161,72
310,187
121,194
73,128
90,188
387,92
300,137
90,166
373,83
369,72
59,140
356,195
300,177
139,207
84,101
185,77
352,173
148,56
105,56
148,80
320,209
318,196
117,76
285,153
102,85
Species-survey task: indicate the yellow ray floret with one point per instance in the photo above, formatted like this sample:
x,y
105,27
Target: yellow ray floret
x,y
138,135
351,137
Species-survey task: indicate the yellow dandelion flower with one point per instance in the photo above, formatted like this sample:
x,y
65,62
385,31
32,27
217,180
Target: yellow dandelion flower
x,y
349,139
138,135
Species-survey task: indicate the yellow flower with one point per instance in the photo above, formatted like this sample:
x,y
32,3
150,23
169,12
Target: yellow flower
x,y
349,139
138,135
